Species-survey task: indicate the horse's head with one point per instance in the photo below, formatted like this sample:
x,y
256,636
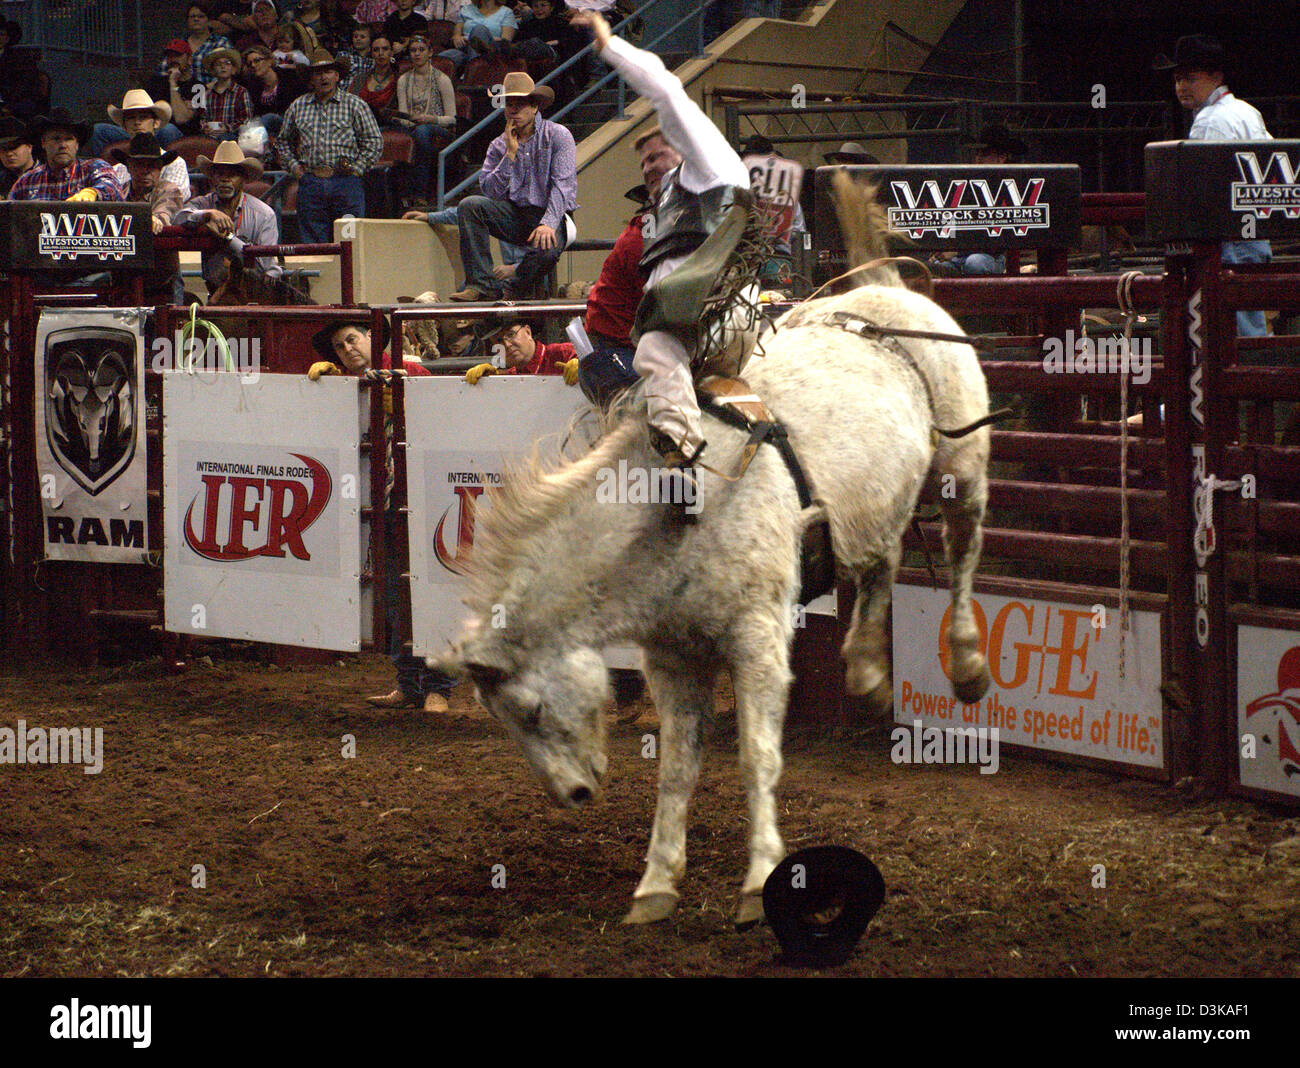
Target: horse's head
x,y
551,702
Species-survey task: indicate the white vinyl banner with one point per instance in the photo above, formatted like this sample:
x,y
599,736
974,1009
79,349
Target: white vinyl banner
x,y
263,488
1056,682
90,434
459,438
1268,709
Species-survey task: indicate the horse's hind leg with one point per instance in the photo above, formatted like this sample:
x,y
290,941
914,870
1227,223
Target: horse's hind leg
x,y
963,516
865,655
682,691
760,674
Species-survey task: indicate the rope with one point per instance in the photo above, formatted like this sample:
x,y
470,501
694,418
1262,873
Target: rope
x,y
1124,298
191,329
883,261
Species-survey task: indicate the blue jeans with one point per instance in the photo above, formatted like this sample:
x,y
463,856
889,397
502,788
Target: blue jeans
x,y
322,200
509,253
105,134
533,48
477,42
480,218
427,137
981,263
607,370
1249,323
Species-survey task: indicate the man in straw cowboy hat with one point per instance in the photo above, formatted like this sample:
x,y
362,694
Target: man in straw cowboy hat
x,y
1200,66
140,113
16,144
230,214
144,161
704,206
530,184
329,139
63,176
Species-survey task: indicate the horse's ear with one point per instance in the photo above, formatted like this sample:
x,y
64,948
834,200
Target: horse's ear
x,y
487,676
483,661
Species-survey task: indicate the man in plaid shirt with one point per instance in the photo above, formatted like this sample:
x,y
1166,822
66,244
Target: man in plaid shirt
x,y
63,176
374,11
328,141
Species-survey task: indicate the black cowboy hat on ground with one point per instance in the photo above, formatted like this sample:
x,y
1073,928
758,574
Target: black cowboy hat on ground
x,y
1197,51
144,146
323,340
14,132
60,118
995,137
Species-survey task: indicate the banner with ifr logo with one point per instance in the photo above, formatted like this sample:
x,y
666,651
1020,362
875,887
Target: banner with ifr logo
x,y
263,488
90,434
1268,709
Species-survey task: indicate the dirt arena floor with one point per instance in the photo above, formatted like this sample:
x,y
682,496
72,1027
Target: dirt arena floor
x,y
382,864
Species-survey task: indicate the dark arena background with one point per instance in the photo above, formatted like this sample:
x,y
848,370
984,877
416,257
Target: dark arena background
x,y
234,807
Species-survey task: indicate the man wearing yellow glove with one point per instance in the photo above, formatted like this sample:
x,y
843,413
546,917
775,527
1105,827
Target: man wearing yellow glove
x,y
517,352
62,176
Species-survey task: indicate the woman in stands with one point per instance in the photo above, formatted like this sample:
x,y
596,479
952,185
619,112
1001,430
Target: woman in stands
x,y
200,34
271,90
483,28
426,105
379,87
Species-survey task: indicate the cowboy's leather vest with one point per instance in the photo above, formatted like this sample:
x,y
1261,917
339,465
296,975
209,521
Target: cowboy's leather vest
x,y
684,219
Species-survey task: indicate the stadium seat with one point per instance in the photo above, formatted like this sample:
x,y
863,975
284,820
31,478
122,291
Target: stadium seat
x,y
488,70
440,31
257,189
446,66
191,148
108,150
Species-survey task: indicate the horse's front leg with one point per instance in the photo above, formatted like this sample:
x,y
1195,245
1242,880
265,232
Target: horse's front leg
x,y
682,690
760,674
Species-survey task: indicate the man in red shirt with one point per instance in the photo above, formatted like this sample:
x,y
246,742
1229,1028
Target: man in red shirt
x,y
521,354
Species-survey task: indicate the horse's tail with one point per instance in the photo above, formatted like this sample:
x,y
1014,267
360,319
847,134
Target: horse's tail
x,y
865,226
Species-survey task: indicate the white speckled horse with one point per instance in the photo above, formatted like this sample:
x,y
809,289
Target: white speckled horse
x,y
569,573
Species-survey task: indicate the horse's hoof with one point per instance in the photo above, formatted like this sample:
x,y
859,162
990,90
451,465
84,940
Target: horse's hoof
x,y
749,913
652,908
880,701
974,688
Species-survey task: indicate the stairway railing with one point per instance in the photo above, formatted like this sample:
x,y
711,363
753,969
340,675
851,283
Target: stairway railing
x,y
91,29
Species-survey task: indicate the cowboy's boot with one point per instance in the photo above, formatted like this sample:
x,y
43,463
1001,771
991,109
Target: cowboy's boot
x,y
679,481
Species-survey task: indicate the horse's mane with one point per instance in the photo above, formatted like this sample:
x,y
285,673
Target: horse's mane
x,y
865,226
540,486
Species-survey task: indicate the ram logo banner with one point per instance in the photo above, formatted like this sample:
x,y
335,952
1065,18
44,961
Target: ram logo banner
x,y
65,235
1268,709
1268,188
90,434
968,206
1055,668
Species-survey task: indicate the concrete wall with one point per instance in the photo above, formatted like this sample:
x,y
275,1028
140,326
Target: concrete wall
x,y
826,52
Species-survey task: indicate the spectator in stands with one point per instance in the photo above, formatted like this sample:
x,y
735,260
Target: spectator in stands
x,y
612,303
230,214
403,22
62,176
271,91
996,146
265,21
483,28
319,33
777,270
144,161
547,35
347,348
530,183
520,353
16,144
291,51
24,86
426,105
379,87
228,105
440,10
1200,66
328,141
357,57
140,115
374,12
177,88
201,35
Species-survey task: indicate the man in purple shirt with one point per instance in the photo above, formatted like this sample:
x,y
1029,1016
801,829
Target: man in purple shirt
x,y
530,182
62,176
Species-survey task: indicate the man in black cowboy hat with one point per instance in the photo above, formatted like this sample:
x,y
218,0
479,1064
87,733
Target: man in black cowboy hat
x,y
144,160
530,184
852,153
1199,66
329,139
63,176
997,145
16,145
